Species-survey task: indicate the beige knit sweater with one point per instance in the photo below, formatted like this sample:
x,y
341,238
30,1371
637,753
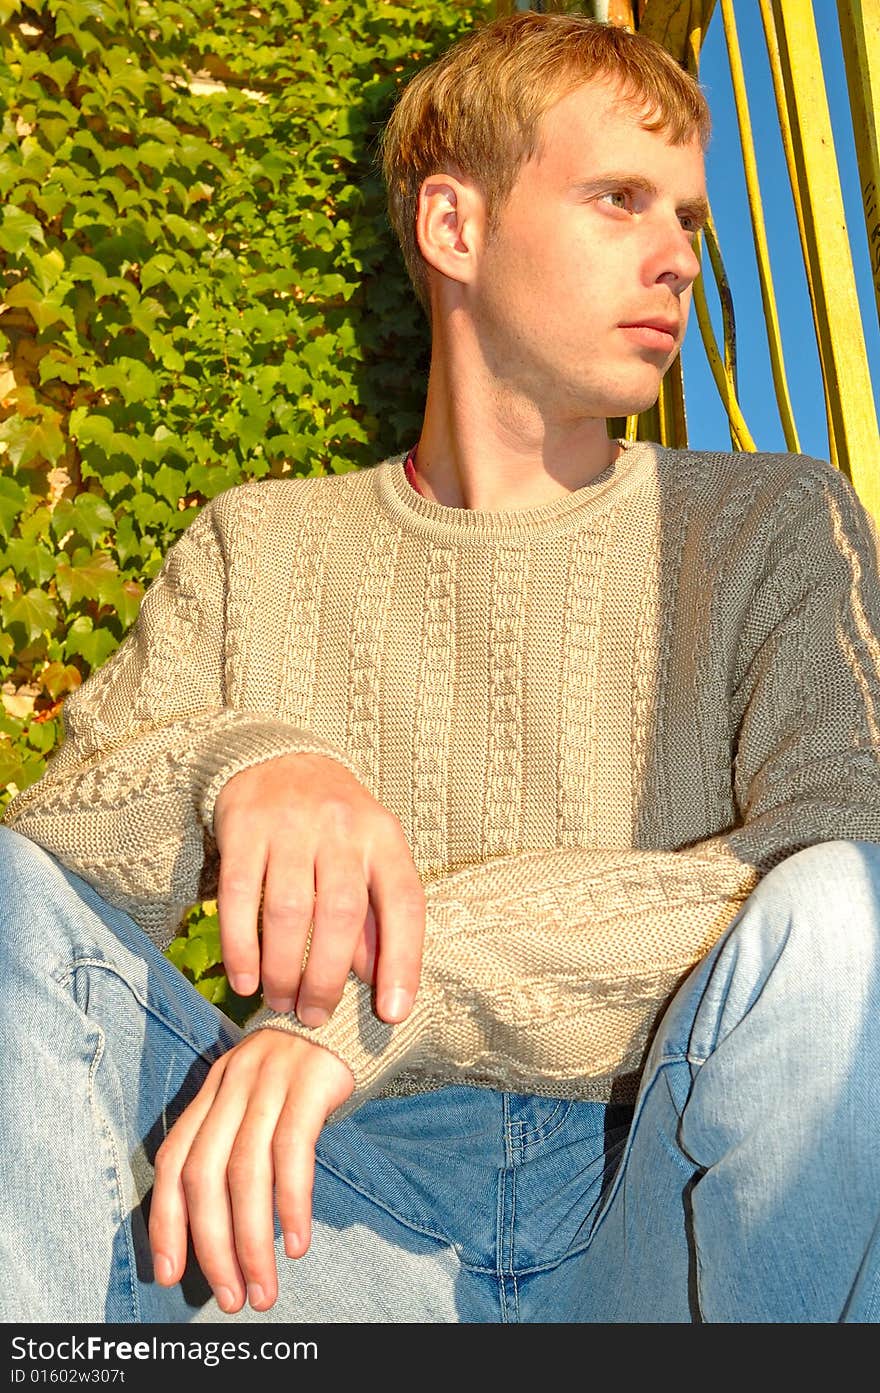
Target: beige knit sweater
x,y
599,721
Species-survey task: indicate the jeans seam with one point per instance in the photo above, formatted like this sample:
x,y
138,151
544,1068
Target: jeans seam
x,y
872,1310
528,1131
386,1208
504,1274
508,1125
509,1287
65,980
509,1255
116,1168
540,1132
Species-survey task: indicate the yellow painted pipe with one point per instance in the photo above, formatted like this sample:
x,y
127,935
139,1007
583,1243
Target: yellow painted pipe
x,y
722,285
756,212
728,316
673,22
740,434
859,22
775,62
836,310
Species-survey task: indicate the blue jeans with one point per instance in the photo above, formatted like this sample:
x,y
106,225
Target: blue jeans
x,y
744,1186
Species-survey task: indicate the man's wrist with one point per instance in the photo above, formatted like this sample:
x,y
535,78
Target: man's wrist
x,y
372,1049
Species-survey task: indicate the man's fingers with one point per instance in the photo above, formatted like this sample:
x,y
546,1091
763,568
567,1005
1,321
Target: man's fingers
x,y
288,904
169,1217
341,904
250,1175
364,961
294,1158
297,831
399,902
239,888
293,1147
251,1128
215,1153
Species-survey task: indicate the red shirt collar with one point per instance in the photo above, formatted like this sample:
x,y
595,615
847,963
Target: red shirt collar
x,y
410,469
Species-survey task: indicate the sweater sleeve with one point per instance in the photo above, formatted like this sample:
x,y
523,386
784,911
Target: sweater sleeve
x,y
548,971
127,800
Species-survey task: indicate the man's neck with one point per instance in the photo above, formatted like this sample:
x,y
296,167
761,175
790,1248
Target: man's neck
x,y
482,447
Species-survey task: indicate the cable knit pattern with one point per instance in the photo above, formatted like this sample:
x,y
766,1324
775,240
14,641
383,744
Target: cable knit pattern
x,y
504,764
646,641
599,720
372,612
307,568
578,718
432,724
243,569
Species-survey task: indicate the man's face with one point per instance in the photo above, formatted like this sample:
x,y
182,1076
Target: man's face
x,y
596,237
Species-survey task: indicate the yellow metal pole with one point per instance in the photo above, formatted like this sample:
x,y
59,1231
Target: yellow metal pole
x,y
622,13
788,147
671,408
836,310
695,40
859,22
728,317
673,22
756,212
740,434
681,24
665,420
678,25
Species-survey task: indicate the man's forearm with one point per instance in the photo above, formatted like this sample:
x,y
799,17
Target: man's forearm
x,y
544,970
133,823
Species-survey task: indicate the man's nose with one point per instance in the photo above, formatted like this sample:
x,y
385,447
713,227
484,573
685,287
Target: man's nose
x,y
678,262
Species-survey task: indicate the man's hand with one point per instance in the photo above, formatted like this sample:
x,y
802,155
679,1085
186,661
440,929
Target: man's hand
x,y
252,1125
301,830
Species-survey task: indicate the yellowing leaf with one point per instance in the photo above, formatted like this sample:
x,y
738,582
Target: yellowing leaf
x,y
59,678
34,610
18,229
28,439
95,579
43,309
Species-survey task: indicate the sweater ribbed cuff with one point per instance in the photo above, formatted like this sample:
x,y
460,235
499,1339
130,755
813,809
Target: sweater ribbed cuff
x,y
249,741
372,1049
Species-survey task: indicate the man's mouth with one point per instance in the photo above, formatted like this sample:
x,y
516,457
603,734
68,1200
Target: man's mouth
x,y
659,334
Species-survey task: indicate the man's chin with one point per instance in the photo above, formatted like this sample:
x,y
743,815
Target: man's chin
x,y
632,405
634,392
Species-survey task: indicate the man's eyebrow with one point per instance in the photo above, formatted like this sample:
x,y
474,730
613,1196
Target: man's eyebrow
x,y
696,207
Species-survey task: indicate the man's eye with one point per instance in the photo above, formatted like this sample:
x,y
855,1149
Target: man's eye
x,y
619,197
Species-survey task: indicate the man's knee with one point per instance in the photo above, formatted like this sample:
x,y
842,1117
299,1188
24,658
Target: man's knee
x,y
824,903
36,898
834,866
21,855
25,868
803,950
805,945
786,1013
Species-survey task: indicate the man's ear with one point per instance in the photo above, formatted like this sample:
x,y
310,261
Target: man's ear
x,y
449,225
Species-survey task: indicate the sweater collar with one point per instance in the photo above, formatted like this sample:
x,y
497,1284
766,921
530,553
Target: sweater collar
x,y
409,507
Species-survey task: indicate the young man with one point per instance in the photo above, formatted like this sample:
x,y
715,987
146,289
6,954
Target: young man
x,y
555,763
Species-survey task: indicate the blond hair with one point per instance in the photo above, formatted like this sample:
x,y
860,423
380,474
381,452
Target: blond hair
x,y
478,107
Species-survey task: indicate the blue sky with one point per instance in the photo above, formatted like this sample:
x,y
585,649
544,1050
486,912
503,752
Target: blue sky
x,y
707,422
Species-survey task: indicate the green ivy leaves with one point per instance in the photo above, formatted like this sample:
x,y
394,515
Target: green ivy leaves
x,y
18,229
